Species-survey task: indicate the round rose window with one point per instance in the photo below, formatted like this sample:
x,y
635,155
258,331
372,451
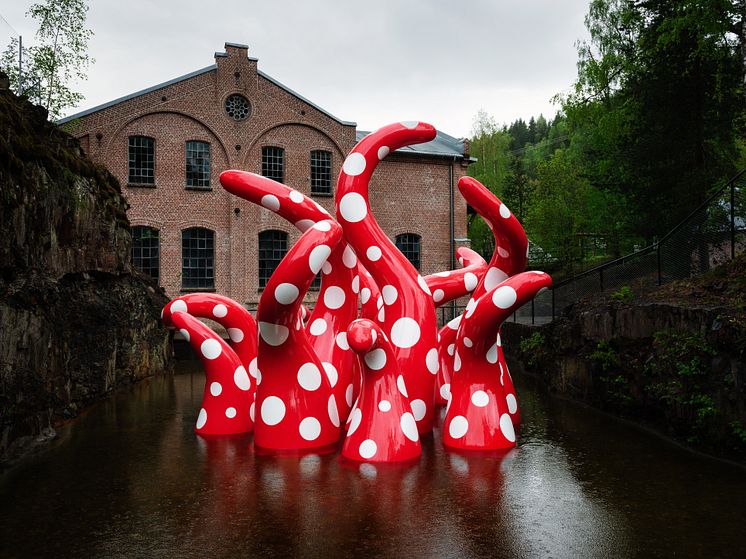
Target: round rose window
x,y
237,107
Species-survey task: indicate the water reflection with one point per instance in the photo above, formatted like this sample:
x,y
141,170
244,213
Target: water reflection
x,y
131,479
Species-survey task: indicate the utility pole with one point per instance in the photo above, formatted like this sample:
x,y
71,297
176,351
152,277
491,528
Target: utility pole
x,y
20,65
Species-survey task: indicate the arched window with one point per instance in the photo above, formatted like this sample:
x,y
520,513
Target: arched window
x,y
197,164
273,246
321,172
273,163
197,258
146,250
141,155
409,245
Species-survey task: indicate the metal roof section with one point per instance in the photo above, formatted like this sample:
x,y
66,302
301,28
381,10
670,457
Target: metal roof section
x,y
443,145
137,94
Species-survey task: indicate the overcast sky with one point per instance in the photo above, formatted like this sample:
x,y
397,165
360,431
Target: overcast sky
x,y
369,62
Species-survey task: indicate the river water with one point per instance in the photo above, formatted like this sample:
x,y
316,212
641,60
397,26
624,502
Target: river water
x,y
131,479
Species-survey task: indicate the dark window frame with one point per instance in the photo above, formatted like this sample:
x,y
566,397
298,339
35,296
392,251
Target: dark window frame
x,y
197,259
273,246
146,249
198,155
410,245
273,163
321,172
140,163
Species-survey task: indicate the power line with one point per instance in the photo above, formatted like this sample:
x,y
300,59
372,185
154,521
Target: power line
x,y
9,25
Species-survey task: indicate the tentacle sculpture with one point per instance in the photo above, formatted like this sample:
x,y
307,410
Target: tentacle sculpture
x,y
478,416
408,311
452,284
336,306
228,397
382,427
237,321
370,296
296,409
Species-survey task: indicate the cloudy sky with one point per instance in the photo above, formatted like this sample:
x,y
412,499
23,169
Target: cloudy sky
x,y
369,62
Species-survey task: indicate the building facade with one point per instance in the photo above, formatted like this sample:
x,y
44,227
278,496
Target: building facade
x,y
169,143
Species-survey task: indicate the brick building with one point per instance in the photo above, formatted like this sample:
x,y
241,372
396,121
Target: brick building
x,y
169,143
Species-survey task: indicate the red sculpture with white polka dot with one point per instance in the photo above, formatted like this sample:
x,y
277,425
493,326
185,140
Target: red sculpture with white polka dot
x,y
382,427
228,396
407,311
478,416
295,407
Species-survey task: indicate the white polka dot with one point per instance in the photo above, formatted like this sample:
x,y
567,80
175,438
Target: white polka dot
x,y
365,295
506,426
318,327
456,362
296,196
356,284
219,311
451,349
304,224
331,373
379,302
352,207
383,151
492,354
454,324
409,426
470,281
458,427
443,274
504,211
326,268
445,391
512,403
382,316
349,258
270,202
411,124
235,334
470,307
373,253
376,359
423,285
499,340
309,376
468,342
368,448
502,253
325,225
334,297
179,306
504,297
215,388
494,277
310,428
348,394
253,368
354,164
432,361
342,341
273,410
331,408
419,409
241,378
230,413
201,418
317,258
401,386
438,295
211,348
405,332
321,208
390,294
384,405
185,333
480,398
355,418
252,410
273,334
286,293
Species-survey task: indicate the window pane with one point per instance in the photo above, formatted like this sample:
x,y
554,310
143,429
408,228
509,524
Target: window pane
x,y
273,246
198,164
321,172
145,250
141,160
273,163
409,245
197,258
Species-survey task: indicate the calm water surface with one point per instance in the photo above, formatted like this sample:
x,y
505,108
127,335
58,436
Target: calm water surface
x,y
131,479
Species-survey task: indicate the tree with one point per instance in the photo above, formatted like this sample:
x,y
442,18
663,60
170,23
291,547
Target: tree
x,y
59,56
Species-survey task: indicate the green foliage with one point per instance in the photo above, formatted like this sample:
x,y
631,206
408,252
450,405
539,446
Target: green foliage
x,y
533,347
604,356
59,57
622,295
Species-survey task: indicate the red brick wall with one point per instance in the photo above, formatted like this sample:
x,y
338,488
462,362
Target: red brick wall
x,y
409,194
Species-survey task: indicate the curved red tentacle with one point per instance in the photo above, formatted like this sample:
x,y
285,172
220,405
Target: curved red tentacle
x,y
237,321
296,408
370,295
228,396
409,314
382,426
336,305
482,399
450,285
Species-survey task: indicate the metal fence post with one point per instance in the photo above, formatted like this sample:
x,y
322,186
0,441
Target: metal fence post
x,y
660,273
533,313
733,220
601,278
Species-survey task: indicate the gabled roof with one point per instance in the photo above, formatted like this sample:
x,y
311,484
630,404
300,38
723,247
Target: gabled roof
x,y
442,145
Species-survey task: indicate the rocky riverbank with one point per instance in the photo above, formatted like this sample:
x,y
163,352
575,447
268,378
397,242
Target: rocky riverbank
x,y
76,321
